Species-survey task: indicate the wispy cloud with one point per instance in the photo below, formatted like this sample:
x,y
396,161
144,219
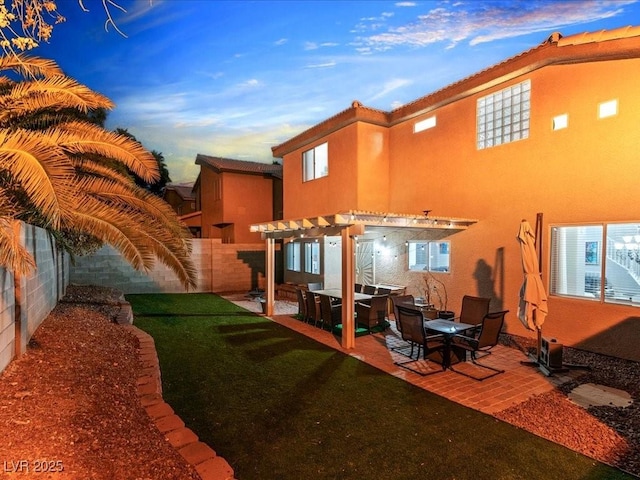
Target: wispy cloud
x,y
484,22
316,46
322,65
390,86
281,41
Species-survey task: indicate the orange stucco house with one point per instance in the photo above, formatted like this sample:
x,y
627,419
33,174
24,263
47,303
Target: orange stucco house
x,y
438,187
232,194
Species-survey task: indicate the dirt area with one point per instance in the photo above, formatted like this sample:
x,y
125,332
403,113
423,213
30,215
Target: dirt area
x,y
69,407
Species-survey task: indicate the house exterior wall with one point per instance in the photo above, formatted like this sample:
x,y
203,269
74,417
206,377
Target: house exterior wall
x,y
586,173
230,202
325,195
179,204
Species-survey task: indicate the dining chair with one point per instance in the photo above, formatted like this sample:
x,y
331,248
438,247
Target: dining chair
x,y
330,312
488,337
414,333
313,308
314,286
406,300
473,310
357,288
383,291
369,289
374,313
302,303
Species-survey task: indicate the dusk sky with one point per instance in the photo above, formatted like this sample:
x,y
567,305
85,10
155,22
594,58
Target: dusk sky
x,y
234,78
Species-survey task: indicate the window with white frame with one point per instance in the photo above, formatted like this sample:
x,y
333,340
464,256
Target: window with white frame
x,y
503,116
312,257
425,124
429,256
315,163
597,262
293,256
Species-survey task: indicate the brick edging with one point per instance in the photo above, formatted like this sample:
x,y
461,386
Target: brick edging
x,y
203,458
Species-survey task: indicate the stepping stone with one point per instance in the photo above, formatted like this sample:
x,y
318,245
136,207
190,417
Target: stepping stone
x,y
593,395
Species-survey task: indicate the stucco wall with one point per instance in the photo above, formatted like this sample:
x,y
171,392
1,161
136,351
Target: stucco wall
x,y
33,296
220,268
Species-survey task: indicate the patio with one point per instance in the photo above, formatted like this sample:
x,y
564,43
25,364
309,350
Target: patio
x,y
516,385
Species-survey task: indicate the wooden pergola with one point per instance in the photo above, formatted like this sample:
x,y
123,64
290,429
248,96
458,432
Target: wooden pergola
x,y
347,225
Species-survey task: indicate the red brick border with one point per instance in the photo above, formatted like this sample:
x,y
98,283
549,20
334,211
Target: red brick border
x,y
204,459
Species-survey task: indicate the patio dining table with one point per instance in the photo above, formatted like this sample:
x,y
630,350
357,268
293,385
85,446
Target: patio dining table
x,y
337,293
448,329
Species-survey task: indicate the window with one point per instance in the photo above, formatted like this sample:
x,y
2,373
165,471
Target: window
x,y
425,124
608,109
560,122
503,116
598,262
293,256
315,163
429,256
312,258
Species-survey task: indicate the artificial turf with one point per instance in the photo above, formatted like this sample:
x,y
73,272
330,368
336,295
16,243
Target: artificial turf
x,y
278,405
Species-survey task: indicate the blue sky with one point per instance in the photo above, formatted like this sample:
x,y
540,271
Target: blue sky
x,y
234,78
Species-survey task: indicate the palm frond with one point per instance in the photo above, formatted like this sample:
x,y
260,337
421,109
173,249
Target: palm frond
x,y
83,138
90,167
55,93
42,169
28,66
13,255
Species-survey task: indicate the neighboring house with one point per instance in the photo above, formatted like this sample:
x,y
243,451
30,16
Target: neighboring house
x,y
553,130
181,198
183,201
233,194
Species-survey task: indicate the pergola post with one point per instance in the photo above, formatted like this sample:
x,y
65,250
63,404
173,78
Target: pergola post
x,y
348,314
271,276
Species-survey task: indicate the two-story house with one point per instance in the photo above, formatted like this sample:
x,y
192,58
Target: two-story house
x,y
552,131
233,194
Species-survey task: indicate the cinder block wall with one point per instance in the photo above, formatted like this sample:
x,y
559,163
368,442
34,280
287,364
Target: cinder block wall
x,y
27,300
220,268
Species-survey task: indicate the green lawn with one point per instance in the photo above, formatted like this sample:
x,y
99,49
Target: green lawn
x,y
278,405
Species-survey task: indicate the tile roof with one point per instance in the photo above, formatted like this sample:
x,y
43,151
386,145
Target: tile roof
x,y
184,190
221,164
556,49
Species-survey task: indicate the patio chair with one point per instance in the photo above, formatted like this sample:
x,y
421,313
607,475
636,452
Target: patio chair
x,y
357,288
473,310
383,291
302,303
313,308
414,333
373,314
487,339
314,286
369,289
330,312
405,300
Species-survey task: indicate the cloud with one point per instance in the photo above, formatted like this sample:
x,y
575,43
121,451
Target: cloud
x,y
389,87
282,41
405,4
322,65
480,22
316,46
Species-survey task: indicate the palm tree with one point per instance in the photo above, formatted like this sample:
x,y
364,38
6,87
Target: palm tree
x,y
65,174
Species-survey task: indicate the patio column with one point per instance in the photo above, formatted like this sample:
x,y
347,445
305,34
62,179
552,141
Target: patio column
x,y
271,275
348,314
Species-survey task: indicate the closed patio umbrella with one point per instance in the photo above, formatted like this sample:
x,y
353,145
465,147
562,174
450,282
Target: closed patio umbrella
x,y
532,309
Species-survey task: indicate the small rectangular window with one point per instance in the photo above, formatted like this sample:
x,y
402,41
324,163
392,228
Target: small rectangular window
x,y
608,109
315,163
560,122
425,124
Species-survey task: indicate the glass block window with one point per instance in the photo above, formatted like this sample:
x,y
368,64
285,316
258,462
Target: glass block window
x,y
503,116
